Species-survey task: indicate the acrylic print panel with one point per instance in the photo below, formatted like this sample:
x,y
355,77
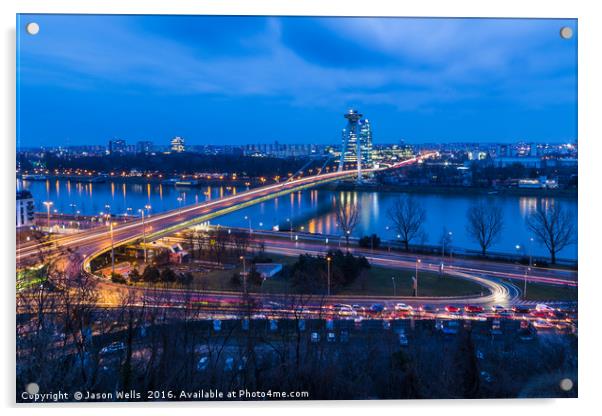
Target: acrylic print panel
x,y
295,208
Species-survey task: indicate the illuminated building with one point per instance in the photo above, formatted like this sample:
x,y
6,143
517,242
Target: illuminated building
x,y
356,142
177,144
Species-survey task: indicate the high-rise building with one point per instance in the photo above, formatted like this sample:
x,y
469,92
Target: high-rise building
x,y
177,144
144,146
356,141
366,143
117,146
25,209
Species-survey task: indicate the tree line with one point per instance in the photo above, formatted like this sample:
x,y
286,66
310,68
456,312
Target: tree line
x,y
550,223
172,163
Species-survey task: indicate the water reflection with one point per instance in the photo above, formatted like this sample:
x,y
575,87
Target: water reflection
x,y
314,210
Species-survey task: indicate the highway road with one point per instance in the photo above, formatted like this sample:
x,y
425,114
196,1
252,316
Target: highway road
x,y
91,243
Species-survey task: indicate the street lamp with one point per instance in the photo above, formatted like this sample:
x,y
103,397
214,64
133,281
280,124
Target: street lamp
x,y
141,211
290,227
418,261
249,219
48,205
328,260
531,252
179,205
244,274
518,248
112,249
389,243
449,234
444,239
527,271
108,210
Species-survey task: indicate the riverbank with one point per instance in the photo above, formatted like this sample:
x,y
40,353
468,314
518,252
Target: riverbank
x,y
449,190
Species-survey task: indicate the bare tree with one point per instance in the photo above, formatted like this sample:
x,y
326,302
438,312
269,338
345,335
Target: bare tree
x,y
552,226
485,222
347,217
408,216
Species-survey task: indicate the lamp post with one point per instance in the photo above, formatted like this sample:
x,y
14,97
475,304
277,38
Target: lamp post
x,y
290,227
445,236
249,219
394,286
531,252
179,205
108,212
244,274
418,261
527,271
141,211
48,205
388,244
112,249
328,260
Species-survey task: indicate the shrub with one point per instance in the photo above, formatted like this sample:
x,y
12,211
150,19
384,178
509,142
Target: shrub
x,y
372,241
118,278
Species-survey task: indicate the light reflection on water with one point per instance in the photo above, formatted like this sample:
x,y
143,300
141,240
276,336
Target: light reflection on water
x,y
311,209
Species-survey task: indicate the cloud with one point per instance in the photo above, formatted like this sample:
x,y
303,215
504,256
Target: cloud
x,y
409,64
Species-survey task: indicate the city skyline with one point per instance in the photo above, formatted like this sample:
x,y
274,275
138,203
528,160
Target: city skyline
x,y
493,80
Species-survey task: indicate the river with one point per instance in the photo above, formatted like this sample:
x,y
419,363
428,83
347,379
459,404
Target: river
x,y
310,210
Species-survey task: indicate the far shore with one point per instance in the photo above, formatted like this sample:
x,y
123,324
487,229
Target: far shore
x,y
454,190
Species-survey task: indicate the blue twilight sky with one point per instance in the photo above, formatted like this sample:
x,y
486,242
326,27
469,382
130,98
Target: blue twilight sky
x,y
85,79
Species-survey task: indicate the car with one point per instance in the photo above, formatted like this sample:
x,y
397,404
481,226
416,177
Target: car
x,y
559,315
331,337
315,337
217,325
402,307
496,327
539,314
452,309
377,308
506,314
113,347
473,309
386,324
487,377
273,325
526,334
427,309
242,364
403,340
340,306
498,309
544,308
543,324
520,309
450,327
302,311
202,364
346,310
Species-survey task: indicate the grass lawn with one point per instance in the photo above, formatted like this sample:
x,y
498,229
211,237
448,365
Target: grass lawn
x,y
536,291
375,281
